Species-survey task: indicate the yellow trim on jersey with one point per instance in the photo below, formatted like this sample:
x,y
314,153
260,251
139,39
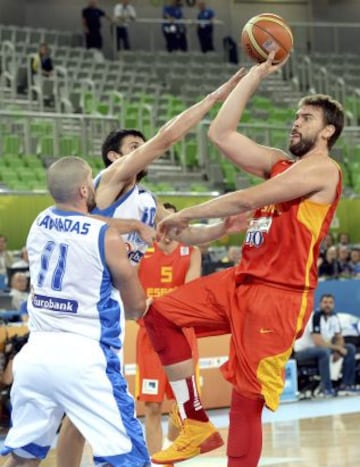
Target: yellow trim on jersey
x,y
312,216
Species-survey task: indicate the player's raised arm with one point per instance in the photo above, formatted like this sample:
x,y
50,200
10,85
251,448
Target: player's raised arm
x,y
241,150
130,165
124,276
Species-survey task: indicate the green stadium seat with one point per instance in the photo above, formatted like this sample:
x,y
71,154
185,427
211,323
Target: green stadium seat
x,y
40,174
46,146
162,187
12,144
25,174
13,161
199,188
32,161
262,103
19,185
191,154
69,145
7,174
229,173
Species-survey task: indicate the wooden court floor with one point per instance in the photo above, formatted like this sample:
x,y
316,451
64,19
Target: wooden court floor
x,y
331,441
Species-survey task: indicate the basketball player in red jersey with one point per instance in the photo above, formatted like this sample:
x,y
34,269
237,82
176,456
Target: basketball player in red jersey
x,y
265,301
167,264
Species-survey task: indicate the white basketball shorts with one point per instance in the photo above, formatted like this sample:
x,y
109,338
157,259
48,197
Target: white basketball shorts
x,y
57,373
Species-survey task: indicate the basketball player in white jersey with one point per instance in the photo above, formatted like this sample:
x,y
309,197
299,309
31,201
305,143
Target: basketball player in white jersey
x,y
78,266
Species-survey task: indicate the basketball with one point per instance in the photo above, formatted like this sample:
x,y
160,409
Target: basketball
x,y
264,33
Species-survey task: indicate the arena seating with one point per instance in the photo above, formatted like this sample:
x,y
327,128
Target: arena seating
x,y
145,89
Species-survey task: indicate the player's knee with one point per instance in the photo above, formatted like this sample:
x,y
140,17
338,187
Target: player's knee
x,y
153,409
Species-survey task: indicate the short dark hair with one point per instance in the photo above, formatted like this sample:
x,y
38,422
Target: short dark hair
x,y
333,113
170,206
327,295
113,142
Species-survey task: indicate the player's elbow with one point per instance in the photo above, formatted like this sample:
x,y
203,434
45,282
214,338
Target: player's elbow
x,y
135,310
217,135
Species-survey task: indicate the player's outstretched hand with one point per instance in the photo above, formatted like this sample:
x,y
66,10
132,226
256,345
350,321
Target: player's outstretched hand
x,y
222,92
238,223
171,226
266,68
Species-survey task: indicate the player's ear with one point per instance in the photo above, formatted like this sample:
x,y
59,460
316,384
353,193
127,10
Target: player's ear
x,y
328,131
112,156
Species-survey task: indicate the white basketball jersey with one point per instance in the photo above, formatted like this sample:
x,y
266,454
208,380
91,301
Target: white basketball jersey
x,y
139,204
71,289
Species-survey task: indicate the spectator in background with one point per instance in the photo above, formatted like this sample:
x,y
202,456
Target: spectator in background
x,y
322,340
205,29
92,25
355,262
124,13
344,260
18,291
234,254
23,262
329,266
6,261
344,238
207,264
42,61
174,32
326,243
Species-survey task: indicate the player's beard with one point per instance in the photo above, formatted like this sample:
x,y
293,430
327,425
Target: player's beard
x,y
302,147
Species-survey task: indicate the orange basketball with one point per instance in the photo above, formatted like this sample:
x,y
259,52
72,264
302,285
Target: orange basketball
x,y
264,33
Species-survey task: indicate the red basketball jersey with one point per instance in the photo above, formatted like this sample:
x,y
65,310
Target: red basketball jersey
x,y
160,273
283,241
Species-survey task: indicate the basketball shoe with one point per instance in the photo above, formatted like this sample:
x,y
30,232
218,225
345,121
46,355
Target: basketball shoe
x,y
195,438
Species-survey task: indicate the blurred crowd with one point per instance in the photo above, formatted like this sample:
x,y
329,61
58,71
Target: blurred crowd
x,y
339,258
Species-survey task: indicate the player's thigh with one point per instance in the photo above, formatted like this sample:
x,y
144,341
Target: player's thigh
x,y
35,413
103,410
264,335
202,304
151,379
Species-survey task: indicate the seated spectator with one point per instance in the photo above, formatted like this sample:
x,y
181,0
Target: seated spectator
x,y
344,260
233,256
23,262
329,265
207,264
323,341
344,239
6,261
325,244
42,61
355,262
18,291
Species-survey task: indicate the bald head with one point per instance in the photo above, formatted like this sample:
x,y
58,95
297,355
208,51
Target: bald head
x,y
68,178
